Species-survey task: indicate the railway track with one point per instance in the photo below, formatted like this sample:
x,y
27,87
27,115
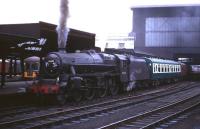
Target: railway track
x,y
104,118
17,110
14,110
154,118
85,112
9,108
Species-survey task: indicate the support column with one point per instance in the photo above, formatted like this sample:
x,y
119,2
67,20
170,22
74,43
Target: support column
x,y
41,66
3,75
11,68
15,67
22,65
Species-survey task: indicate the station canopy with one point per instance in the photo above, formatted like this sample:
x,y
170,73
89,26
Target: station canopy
x,y
38,39
19,46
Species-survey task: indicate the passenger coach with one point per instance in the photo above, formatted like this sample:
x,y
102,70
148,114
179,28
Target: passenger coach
x,y
163,70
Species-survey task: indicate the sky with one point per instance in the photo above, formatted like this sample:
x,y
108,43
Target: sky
x,y
95,16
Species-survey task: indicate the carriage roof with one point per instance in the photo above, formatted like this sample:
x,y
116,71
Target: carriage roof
x,y
156,60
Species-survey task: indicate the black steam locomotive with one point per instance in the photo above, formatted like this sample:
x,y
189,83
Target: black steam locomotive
x,y
91,74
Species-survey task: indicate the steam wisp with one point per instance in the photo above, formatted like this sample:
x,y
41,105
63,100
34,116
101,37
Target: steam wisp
x,y
62,28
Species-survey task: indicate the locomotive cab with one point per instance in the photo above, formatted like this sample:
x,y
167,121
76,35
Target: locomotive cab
x,y
123,64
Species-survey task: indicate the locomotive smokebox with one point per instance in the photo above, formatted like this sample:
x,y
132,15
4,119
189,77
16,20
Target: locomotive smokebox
x,y
62,29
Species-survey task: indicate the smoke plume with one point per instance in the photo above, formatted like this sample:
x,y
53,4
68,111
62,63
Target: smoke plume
x,y
62,28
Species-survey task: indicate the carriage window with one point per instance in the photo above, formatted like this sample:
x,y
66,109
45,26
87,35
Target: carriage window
x,y
27,66
178,68
172,68
175,68
167,68
158,67
163,68
35,66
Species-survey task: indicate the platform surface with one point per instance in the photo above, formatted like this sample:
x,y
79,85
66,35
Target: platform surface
x,y
13,87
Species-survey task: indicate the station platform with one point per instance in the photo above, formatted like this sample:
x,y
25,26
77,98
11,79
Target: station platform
x,y
13,78
14,93
14,87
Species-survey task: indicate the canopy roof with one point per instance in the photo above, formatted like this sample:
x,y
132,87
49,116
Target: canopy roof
x,y
18,45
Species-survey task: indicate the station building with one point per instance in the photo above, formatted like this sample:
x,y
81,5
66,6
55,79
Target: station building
x,y
168,31
120,42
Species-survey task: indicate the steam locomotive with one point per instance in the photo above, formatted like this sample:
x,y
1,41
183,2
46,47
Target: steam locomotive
x,y
89,74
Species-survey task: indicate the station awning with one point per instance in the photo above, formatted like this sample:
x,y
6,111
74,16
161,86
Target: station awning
x,y
18,45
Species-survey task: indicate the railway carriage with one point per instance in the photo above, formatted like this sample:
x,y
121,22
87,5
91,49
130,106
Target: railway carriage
x,y
184,70
194,72
8,71
31,67
163,70
195,69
